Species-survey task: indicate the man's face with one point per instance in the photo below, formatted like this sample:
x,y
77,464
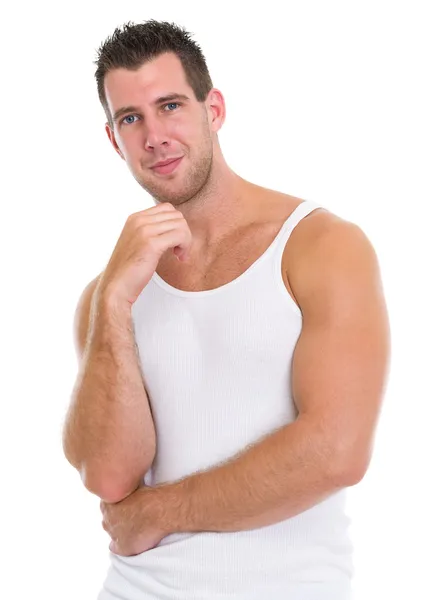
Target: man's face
x,y
150,131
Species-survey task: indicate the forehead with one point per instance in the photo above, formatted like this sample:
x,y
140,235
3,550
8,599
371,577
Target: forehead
x,y
158,77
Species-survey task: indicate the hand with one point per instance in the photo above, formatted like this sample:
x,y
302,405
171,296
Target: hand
x,y
147,234
135,524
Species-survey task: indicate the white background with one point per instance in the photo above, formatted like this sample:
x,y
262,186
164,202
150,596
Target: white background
x,y
334,102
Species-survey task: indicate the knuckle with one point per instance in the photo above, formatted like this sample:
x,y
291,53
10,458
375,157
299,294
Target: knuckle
x,y
151,247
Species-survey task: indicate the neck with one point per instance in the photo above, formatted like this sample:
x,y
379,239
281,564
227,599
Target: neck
x,y
224,203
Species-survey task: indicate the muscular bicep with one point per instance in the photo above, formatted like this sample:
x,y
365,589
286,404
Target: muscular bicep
x,y
341,359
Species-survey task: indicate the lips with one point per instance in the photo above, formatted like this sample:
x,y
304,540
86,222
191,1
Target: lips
x,y
168,166
165,162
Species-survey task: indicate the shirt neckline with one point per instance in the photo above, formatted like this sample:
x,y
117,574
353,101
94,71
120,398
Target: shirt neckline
x,y
199,293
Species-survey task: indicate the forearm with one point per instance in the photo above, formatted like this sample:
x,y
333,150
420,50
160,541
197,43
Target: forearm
x,y
286,473
109,435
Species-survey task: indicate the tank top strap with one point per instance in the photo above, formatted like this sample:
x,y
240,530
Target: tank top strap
x,y
301,211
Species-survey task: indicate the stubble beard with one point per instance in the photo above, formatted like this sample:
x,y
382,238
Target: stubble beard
x,y
192,184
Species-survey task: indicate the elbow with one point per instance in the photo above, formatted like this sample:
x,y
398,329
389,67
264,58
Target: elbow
x,y
349,475
108,488
350,468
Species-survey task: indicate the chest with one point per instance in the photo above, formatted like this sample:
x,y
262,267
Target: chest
x,y
228,261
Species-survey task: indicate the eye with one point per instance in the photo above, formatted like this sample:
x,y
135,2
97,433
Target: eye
x,y
170,104
127,117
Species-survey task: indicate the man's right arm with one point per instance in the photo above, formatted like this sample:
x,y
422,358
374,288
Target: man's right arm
x,y
109,434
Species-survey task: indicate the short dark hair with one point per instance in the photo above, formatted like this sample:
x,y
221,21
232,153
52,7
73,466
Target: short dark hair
x,y
132,45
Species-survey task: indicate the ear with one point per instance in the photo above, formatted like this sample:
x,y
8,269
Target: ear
x,y
215,104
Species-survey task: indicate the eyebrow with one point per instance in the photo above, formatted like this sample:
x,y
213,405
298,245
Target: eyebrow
x,y
128,109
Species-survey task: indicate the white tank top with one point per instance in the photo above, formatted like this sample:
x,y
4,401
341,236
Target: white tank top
x,y
216,365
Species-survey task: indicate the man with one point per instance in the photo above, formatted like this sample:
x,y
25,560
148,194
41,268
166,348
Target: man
x,y
236,368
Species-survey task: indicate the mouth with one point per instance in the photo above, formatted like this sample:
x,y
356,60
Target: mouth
x,y
169,168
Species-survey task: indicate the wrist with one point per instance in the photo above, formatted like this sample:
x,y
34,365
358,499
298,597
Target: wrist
x,y
173,501
107,307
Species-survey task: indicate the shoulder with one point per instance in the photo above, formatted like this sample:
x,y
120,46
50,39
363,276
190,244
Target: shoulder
x,y
327,257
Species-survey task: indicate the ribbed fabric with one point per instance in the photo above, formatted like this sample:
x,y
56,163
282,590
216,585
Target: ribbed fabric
x,y
217,368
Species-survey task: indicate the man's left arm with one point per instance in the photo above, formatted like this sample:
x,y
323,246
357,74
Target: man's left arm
x,y
340,368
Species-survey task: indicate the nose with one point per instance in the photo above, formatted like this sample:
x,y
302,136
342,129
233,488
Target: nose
x,y
155,133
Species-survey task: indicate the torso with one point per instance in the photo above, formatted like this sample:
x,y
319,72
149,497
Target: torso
x,y
245,245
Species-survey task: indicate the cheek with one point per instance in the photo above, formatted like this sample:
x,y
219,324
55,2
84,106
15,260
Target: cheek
x,y
177,132
122,140
132,145
185,129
